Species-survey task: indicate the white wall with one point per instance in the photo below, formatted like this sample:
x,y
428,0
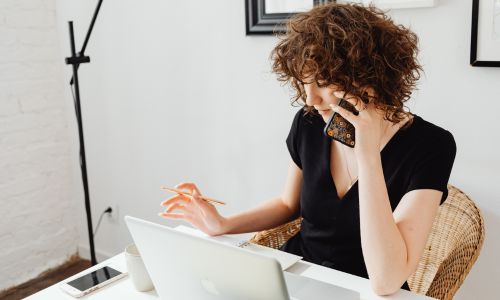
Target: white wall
x,y
37,231
177,92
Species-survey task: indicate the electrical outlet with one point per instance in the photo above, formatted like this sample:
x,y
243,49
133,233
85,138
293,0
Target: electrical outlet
x,y
114,216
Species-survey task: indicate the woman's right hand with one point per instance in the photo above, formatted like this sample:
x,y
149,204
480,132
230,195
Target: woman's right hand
x,y
195,210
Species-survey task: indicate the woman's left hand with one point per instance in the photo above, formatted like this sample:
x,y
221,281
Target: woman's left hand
x,y
369,124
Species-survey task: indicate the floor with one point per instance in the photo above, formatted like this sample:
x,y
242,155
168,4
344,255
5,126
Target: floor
x,y
46,279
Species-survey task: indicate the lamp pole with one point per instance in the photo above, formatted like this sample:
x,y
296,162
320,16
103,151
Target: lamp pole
x,y
75,60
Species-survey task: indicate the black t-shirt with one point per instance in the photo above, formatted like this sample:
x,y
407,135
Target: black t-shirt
x,y
418,157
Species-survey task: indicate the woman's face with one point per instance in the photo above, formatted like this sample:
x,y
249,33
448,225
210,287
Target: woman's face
x,y
320,98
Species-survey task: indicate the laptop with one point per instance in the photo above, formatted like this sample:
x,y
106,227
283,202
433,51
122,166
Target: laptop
x,y
187,267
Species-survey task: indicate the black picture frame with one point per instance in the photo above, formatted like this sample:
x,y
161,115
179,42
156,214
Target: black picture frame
x,y
260,23
473,45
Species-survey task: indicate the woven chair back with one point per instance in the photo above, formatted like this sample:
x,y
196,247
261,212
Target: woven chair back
x,y
452,248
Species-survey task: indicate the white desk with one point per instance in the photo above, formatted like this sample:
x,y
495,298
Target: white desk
x,y
123,288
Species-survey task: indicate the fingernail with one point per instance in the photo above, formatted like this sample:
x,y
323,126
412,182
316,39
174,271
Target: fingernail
x,y
338,94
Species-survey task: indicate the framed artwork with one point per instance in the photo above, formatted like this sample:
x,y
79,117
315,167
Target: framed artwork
x,y
268,16
485,33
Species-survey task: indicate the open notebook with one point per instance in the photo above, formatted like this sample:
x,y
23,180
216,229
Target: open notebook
x,y
284,258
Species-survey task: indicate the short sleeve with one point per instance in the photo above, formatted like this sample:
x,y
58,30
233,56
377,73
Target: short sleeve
x,y
292,141
433,170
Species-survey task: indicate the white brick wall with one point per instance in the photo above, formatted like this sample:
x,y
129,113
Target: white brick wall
x,y
37,212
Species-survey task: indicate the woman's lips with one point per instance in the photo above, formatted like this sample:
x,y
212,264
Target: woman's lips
x,y
323,111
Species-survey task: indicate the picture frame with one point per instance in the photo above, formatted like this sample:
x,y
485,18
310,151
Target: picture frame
x,y
259,21
485,34
262,22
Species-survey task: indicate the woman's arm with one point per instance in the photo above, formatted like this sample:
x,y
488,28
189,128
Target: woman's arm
x,y
271,213
392,243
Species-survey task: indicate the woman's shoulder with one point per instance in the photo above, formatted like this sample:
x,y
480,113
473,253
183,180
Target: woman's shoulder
x,y
428,133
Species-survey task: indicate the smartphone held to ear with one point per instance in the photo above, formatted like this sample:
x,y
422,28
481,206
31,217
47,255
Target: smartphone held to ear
x,y
339,128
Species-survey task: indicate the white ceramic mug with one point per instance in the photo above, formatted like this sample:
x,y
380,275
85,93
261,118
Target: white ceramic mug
x,y
136,269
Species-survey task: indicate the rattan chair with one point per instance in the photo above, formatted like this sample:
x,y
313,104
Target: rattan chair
x,y
452,248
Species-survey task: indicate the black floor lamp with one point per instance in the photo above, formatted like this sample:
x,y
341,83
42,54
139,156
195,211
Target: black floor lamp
x,y
75,60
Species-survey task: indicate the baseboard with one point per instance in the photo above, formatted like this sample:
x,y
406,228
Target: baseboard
x,y
84,252
43,280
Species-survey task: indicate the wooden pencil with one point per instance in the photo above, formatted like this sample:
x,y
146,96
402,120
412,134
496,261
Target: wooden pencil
x,y
188,194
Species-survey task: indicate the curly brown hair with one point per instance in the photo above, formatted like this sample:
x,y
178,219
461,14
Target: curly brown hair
x,y
354,47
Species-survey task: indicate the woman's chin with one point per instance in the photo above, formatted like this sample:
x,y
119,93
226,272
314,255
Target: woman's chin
x,y
325,114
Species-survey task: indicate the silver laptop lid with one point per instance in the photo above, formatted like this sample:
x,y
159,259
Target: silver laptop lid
x,y
303,288
183,266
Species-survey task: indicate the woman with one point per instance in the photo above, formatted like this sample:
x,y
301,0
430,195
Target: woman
x,y
366,210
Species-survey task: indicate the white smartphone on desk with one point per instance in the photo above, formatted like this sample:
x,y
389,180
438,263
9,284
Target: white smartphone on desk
x,y
92,281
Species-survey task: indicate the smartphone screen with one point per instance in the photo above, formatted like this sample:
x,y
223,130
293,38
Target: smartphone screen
x,y
92,279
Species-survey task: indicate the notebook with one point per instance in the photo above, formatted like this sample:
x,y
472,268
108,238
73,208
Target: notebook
x,y
284,258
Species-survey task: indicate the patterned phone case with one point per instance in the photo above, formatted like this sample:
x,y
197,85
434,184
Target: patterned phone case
x,y
339,128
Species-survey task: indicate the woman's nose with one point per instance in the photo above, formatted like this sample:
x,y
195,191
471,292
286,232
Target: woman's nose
x,y
313,99
312,96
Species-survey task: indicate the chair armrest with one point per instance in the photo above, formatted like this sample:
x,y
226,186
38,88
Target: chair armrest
x,y
276,237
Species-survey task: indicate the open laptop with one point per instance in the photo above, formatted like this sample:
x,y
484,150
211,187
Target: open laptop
x,y
183,266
